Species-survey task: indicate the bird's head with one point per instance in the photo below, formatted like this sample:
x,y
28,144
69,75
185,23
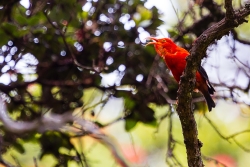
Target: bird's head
x,y
160,41
162,45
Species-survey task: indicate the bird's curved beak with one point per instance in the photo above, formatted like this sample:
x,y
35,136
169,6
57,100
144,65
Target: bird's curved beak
x,y
154,41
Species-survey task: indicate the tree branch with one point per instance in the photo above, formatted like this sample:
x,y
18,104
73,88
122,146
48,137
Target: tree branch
x,y
57,122
229,10
199,26
227,138
216,162
68,48
187,82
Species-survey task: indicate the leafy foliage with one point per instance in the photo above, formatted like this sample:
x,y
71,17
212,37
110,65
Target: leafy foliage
x,y
55,50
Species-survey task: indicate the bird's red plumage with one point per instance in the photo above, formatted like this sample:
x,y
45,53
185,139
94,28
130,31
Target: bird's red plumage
x,y
175,58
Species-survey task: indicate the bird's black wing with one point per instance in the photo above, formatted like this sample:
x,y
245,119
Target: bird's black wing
x,y
205,76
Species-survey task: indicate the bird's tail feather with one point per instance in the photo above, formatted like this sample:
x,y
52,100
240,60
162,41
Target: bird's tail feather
x,y
209,100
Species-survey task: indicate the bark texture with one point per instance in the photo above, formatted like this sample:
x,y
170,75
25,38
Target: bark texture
x,y
231,20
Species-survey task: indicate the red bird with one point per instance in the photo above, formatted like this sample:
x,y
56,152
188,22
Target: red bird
x,y
175,58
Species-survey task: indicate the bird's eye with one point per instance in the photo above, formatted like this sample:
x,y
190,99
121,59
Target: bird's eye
x,y
163,40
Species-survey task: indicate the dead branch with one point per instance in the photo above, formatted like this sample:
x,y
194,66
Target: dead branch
x,y
52,121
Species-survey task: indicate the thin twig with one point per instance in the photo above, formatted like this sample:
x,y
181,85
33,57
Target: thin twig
x,y
16,161
176,13
133,144
240,145
227,138
58,122
171,142
68,48
238,133
214,160
35,162
152,70
5,163
215,128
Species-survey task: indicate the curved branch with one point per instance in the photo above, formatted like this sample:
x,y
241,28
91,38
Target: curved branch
x,y
227,138
216,162
57,122
67,46
187,82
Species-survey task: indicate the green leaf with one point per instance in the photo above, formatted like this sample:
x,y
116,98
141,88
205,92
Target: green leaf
x,y
130,124
187,40
35,89
39,18
22,32
152,123
144,12
129,103
173,33
4,38
9,27
13,30
21,20
156,23
19,147
100,125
